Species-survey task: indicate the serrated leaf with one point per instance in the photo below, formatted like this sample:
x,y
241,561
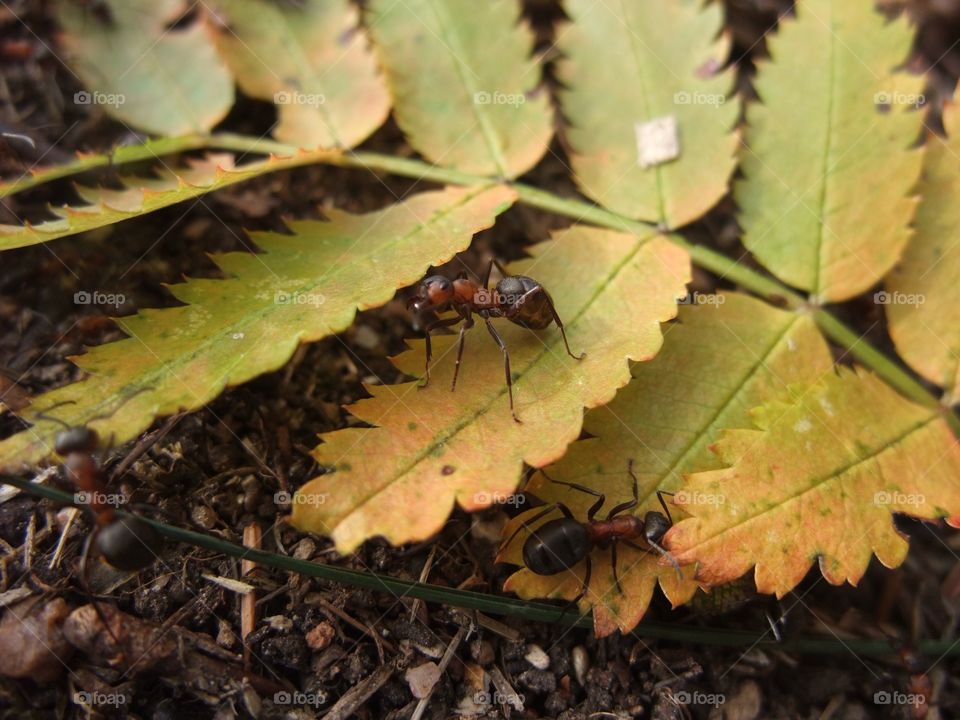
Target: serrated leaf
x,y
627,64
141,195
303,287
434,447
819,478
164,80
310,59
827,198
465,90
722,358
923,298
118,155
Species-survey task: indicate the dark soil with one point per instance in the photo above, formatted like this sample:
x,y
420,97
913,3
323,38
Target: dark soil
x,y
217,471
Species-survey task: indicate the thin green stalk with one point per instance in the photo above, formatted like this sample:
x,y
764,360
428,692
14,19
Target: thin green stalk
x,y
498,605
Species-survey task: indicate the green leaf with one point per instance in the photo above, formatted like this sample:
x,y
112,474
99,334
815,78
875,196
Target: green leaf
x,y
819,478
720,359
167,81
303,287
310,59
434,447
464,86
142,195
627,64
923,292
827,198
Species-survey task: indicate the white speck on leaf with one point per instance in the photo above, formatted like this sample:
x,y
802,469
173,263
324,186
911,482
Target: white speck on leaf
x,y
803,425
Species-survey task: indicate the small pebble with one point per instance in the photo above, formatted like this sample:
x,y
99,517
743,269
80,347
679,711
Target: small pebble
x,y
304,549
365,337
581,664
539,681
321,636
537,657
203,516
279,622
422,678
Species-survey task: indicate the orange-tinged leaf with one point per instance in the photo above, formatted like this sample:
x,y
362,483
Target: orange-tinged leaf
x,y
627,64
434,447
303,287
167,81
829,168
819,478
923,291
464,86
725,355
309,58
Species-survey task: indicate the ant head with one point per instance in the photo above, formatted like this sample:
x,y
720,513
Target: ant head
x,y
434,290
655,526
77,439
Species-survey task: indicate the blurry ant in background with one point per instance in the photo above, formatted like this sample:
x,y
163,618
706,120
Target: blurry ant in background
x,y
521,300
561,543
125,542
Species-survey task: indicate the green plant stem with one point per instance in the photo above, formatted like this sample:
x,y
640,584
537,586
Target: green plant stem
x,y
578,210
498,605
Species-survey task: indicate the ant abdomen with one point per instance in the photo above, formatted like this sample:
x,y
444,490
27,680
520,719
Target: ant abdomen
x,y
556,545
129,543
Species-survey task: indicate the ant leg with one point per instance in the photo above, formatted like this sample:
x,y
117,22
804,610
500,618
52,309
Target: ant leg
x,y
85,585
506,363
613,564
467,324
629,504
660,494
586,580
525,525
429,348
486,275
563,333
661,550
501,268
595,508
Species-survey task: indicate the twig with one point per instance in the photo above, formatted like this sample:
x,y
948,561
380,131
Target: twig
x,y
356,696
252,538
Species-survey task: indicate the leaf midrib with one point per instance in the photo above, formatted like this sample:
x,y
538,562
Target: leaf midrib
x,y
722,408
489,133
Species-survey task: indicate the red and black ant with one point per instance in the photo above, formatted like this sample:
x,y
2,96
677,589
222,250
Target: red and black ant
x,y
521,300
561,543
125,542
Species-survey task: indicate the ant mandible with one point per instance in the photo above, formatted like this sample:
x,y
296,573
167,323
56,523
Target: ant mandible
x,y
521,300
561,543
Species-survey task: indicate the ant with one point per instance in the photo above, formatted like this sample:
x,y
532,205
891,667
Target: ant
x,y
521,300
561,543
125,542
